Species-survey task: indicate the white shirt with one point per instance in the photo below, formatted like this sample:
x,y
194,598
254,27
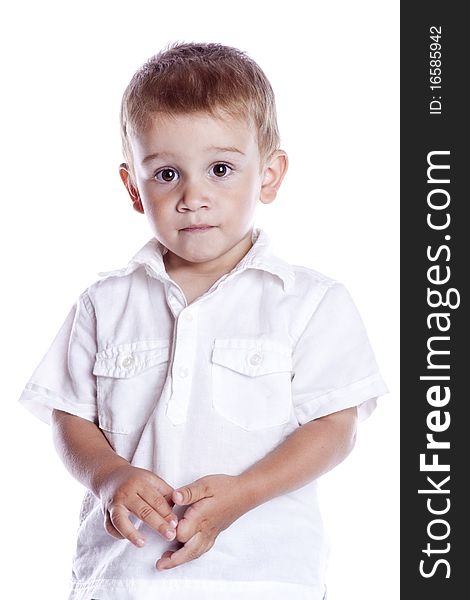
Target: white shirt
x,y
188,391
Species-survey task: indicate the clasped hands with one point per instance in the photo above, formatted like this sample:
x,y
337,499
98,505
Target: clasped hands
x,y
214,503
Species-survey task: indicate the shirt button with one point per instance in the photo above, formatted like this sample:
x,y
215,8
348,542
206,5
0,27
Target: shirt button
x,y
183,372
128,362
255,359
188,317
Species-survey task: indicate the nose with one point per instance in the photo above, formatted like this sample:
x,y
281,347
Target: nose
x,y
194,196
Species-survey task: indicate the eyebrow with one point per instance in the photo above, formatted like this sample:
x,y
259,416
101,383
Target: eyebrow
x,y
227,149
232,149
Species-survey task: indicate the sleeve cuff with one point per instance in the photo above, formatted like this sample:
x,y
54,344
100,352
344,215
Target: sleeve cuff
x,y
363,394
41,401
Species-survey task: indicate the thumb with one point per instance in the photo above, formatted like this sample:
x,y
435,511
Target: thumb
x,y
189,494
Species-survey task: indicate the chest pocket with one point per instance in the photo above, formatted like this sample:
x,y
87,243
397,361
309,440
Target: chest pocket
x,y
251,382
130,379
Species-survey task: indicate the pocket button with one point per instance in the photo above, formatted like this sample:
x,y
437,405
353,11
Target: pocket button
x,y
256,359
128,362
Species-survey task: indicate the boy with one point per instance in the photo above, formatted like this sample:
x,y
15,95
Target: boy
x,y
199,392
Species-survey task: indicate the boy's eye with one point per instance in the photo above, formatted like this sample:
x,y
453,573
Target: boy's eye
x,y
221,169
166,175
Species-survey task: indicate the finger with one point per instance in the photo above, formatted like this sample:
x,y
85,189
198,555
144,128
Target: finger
x,y
191,521
119,522
160,505
191,493
194,548
169,499
109,527
148,515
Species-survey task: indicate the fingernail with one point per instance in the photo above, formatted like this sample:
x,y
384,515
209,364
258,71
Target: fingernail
x,y
178,497
170,534
173,523
140,542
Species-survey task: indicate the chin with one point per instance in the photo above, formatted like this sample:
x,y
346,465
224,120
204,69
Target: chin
x,y
201,258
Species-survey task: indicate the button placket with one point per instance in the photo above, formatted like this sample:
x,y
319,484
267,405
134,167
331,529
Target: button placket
x,y
182,369
183,372
175,301
188,316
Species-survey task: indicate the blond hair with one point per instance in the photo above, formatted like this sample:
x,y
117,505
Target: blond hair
x,y
200,77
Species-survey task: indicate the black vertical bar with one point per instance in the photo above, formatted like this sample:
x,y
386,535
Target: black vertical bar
x,y
435,341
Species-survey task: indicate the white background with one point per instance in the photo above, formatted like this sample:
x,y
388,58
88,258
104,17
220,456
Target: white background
x,y
66,216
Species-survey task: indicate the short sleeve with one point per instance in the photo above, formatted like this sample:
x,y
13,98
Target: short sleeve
x,y
333,362
63,379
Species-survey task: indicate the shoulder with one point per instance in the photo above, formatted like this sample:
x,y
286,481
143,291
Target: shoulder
x,y
297,279
147,261
320,294
114,284
307,276
305,281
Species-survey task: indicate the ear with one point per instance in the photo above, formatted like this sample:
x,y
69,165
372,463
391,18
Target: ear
x,y
274,171
126,177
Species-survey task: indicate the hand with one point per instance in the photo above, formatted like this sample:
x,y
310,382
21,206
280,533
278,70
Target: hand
x,y
128,489
216,502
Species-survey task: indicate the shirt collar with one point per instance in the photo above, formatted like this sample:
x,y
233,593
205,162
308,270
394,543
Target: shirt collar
x,y
260,256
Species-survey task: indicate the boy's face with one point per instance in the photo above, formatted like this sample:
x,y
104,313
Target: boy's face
x,y
198,179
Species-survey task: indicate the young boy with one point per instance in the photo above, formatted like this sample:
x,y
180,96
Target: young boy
x,y
201,391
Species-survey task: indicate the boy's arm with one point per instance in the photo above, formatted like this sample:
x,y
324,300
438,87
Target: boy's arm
x,y
309,452
218,500
122,488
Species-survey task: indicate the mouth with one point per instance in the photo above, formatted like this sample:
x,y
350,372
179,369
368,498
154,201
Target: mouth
x,y
197,228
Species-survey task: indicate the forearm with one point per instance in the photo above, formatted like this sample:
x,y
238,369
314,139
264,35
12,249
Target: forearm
x,y
306,454
83,449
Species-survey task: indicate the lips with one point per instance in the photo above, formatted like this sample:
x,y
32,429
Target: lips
x,y
200,227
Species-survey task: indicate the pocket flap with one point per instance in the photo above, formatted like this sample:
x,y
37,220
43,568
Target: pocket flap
x,y
127,360
252,357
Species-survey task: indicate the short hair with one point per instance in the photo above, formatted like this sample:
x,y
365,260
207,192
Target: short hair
x,y
200,77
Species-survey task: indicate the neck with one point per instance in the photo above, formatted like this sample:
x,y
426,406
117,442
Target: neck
x,y
216,267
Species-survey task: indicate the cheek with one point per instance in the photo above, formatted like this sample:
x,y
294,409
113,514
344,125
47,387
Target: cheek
x,y
252,189
155,205
160,217
245,191
155,216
